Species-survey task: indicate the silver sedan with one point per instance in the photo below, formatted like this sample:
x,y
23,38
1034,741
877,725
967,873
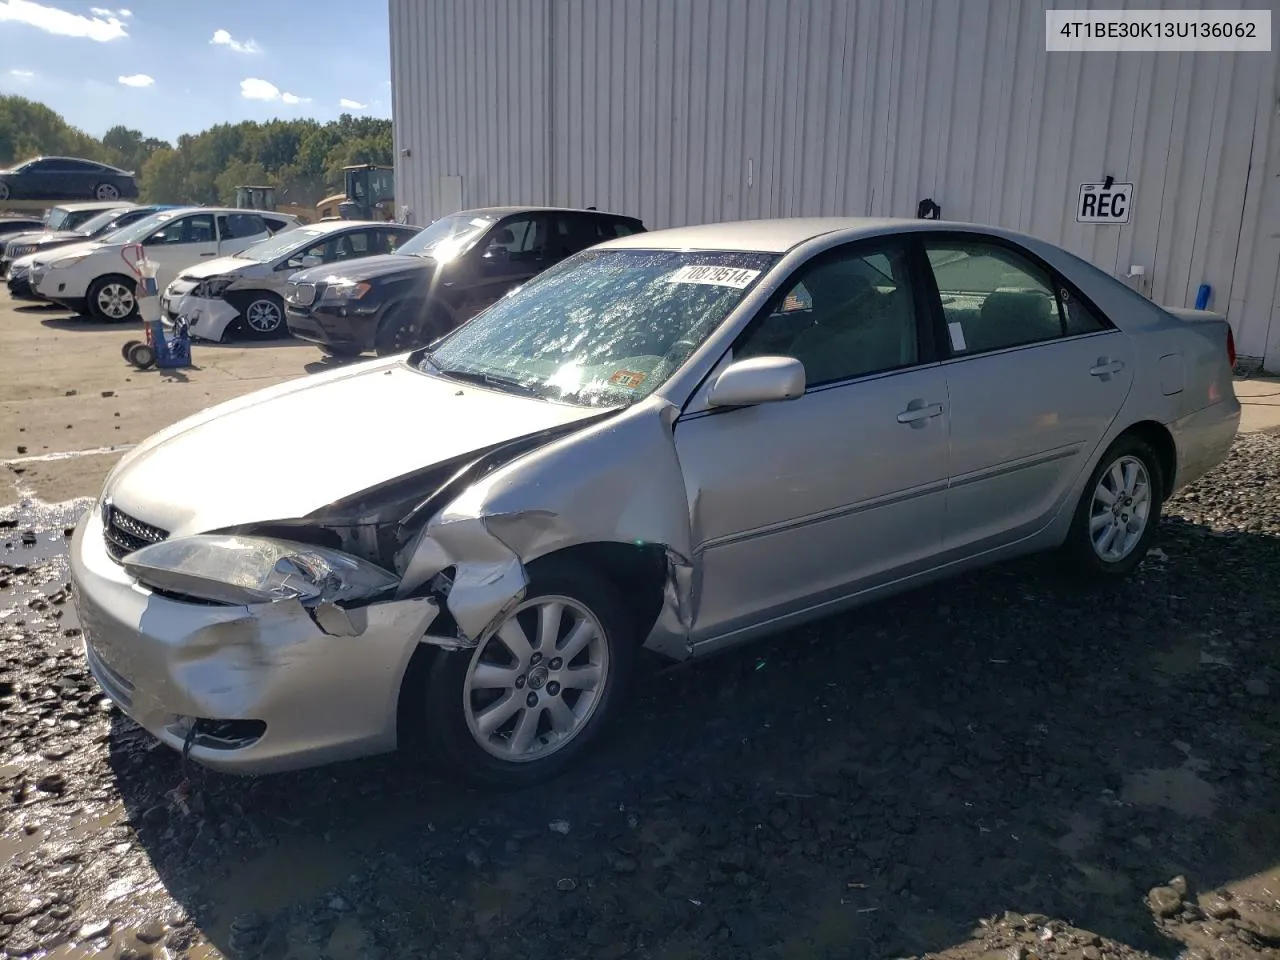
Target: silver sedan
x,y
682,440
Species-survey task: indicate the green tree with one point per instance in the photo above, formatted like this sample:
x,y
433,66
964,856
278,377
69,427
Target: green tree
x,y
164,178
302,159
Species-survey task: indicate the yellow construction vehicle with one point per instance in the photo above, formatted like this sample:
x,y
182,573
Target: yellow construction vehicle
x,y
264,198
368,194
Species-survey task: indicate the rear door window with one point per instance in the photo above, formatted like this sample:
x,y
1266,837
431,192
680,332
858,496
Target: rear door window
x,y
236,226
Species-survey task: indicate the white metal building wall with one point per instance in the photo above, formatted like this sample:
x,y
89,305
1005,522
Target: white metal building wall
x,y
684,111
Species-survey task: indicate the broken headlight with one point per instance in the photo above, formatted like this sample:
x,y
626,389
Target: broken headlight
x,y
213,288
244,570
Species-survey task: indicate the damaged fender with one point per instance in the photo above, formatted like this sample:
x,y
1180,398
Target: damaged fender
x,y
576,490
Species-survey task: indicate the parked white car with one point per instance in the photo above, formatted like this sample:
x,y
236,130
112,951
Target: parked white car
x,y
95,278
249,286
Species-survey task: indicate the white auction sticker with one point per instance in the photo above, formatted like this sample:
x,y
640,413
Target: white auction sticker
x,y
736,277
1133,31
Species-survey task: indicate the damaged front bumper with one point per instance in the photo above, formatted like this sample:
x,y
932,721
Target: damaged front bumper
x,y
207,318
267,687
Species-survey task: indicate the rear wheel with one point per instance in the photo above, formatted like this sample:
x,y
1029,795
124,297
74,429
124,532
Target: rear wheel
x,y
112,298
106,191
1119,510
263,316
4,190
529,700
128,345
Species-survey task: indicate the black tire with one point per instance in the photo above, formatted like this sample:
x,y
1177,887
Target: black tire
x,y
340,349
445,734
4,190
106,191
402,330
262,316
128,346
142,355
99,295
1083,557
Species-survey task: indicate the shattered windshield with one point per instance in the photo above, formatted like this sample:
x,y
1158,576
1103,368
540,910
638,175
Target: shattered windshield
x,y
603,328
447,238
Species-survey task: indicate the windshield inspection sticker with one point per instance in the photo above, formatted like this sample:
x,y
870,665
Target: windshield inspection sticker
x,y
630,379
736,277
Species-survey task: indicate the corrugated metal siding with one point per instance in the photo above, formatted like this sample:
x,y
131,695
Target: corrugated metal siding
x,y
685,111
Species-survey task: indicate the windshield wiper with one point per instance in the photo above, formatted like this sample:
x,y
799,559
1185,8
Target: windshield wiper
x,y
485,379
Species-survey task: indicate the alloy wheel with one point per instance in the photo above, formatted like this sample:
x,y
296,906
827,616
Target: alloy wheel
x,y
107,191
534,685
263,316
115,300
1120,509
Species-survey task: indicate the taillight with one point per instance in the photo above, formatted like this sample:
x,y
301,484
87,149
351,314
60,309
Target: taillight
x,y
1231,349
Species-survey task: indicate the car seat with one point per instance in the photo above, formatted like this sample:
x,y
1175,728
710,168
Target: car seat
x,y
1009,317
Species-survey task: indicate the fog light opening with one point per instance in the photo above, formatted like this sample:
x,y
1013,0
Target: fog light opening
x,y
218,734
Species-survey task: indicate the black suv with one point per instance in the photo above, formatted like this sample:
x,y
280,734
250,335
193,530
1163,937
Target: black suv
x,y
445,275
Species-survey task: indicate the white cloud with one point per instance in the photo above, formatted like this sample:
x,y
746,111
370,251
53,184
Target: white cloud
x,y
22,74
126,13
255,89
137,80
351,104
222,38
102,26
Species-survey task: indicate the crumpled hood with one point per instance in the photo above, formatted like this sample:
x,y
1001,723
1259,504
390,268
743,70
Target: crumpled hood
x,y
364,268
219,267
283,452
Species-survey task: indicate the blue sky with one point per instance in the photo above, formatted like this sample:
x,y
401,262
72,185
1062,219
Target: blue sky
x,y
168,67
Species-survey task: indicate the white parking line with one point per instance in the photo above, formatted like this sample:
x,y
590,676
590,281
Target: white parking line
x,y
69,454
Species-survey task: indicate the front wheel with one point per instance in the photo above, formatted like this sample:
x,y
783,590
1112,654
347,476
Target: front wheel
x,y
263,316
339,349
538,692
401,330
113,298
1118,512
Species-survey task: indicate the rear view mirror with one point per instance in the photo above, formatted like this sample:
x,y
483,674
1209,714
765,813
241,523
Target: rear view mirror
x,y
755,380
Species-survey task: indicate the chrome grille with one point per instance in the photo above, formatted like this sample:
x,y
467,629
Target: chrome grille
x,y
301,293
125,534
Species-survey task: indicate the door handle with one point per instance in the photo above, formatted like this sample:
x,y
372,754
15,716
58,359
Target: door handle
x,y
918,412
1104,367
208,254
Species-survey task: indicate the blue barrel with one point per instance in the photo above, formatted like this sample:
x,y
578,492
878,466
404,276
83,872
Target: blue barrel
x,y
1202,296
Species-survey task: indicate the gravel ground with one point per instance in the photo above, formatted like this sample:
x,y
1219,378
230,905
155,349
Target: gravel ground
x,y
1003,766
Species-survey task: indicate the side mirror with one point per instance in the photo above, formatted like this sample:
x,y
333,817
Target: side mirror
x,y
311,260
755,380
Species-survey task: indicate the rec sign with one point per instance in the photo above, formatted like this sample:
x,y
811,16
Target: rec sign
x,y
1100,203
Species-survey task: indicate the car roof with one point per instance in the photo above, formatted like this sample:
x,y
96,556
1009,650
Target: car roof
x,y
93,205
333,226
196,208
508,211
785,233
